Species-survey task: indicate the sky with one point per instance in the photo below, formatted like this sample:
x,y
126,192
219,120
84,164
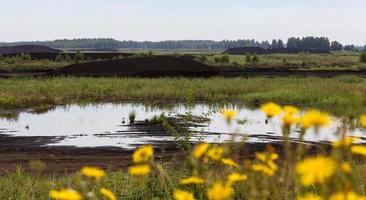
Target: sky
x,y
156,20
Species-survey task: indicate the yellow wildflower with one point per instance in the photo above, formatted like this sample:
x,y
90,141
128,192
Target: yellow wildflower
x,y
291,110
229,114
344,142
93,172
108,194
264,169
236,177
183,195
215,153
309,197
199,150
289,119
359,149
346,196
192,180
220,191
66,194
346,168
143,154
363,121
229,162
139,170
271,109
267,166
261,156
315,170
314,118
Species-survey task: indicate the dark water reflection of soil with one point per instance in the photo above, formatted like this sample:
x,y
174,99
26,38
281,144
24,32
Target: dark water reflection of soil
x,y
102,125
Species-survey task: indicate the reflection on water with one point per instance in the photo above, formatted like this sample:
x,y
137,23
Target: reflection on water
x,y
102,125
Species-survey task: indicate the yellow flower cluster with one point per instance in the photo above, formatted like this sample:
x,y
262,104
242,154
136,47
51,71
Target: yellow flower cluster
x,y
142,158
315,170
309,119
266,163
71,194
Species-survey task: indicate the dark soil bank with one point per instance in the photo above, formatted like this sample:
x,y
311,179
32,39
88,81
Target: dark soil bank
x,y
142,66
27,49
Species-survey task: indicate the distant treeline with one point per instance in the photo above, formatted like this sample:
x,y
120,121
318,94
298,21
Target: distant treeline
x,y
316,43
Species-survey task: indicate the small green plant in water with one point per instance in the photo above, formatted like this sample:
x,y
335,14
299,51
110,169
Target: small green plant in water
x,y
132,117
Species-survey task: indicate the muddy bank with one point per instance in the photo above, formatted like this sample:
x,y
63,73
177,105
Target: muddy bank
x,y
19,152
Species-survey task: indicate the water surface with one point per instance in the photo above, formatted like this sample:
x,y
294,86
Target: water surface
x,y
106,125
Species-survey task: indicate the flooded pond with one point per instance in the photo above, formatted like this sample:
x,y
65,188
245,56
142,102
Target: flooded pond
x,y
108,125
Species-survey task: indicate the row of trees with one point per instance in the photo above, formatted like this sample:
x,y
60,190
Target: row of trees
x,y
316,43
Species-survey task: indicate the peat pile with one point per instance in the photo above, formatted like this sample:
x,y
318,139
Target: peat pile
x,y
261,51
27,49
91,56
142,66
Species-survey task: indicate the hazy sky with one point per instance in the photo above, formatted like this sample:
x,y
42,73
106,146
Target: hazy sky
x,y
342,20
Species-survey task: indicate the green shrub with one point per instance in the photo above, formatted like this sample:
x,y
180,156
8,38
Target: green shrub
x,y
248,58
203,58
255,58
363,57
222,59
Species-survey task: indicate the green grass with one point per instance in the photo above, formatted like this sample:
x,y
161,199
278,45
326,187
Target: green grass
x,y
302,61
21,185
339,94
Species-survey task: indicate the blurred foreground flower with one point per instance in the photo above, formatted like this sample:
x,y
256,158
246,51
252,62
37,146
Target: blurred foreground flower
x,y
183,195
290,110
143,154
215,153
363,121
200,150
93,172
229,162
314,118
309,197
266,163
315,170
359,150
271,109
108,194
346,196
345,142
65,194
236,177
192,180
220,191
229,114
139,170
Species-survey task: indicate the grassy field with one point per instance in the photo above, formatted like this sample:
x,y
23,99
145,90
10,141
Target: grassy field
x,y
303,61
338,94
300,61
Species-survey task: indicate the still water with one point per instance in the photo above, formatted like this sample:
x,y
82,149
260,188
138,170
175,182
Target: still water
x,y
102,125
